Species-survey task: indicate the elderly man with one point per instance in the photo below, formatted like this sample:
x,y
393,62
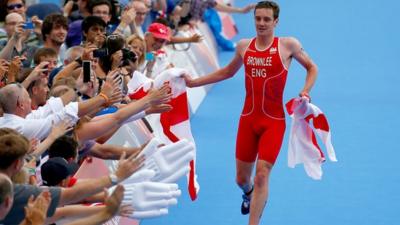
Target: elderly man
x,y
16,104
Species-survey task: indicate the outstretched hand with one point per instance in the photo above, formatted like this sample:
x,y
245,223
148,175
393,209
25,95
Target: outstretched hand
x,y
113,201
188,79
36,209
158,109
126,167
248,8
160,96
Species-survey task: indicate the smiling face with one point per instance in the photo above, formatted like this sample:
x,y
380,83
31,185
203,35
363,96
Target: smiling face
x,y
137,46
153,43
58,34
264,21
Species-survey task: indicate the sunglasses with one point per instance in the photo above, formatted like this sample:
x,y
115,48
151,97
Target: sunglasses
x,y
15,6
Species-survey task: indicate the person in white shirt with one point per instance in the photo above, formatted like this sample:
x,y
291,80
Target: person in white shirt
x,y
16,104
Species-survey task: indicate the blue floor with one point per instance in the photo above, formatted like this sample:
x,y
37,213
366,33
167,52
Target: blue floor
x,y
356,46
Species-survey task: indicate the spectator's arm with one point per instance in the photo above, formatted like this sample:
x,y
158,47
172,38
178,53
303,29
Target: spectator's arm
x,y
75,212
112,205
98,127
230,9
6,52
89,187
194,38
106,151
35,74
66,71
56,132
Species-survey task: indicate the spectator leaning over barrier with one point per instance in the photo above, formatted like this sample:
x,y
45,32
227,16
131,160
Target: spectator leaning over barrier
x,y
15,148
16,104
58,172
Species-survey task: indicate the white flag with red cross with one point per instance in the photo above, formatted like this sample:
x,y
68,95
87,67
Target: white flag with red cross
x,y
303,145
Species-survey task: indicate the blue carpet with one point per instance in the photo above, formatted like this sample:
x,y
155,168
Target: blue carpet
x,y
355,45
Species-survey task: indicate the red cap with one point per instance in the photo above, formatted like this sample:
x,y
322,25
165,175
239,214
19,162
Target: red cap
x,y
159,31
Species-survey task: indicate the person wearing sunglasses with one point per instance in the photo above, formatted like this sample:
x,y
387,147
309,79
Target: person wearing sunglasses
x,y
17,6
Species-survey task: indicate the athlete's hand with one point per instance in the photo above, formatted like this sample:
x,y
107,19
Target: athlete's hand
x,y
305,94
189,80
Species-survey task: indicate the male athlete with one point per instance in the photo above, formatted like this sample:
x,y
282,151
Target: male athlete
x,y
262,124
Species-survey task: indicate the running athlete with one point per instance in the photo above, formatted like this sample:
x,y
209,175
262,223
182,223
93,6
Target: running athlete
x,y
262,124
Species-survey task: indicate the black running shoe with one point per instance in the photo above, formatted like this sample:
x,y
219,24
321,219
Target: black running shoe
x,y
246,204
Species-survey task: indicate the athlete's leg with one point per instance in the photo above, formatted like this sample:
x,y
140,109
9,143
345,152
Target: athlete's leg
x,y
268,149
243,175
246,154
260,192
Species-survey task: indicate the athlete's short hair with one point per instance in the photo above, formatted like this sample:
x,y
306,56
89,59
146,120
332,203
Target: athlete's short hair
x,y
268,5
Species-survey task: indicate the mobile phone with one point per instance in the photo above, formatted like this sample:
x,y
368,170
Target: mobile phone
x,y
149,56
29,26
86,70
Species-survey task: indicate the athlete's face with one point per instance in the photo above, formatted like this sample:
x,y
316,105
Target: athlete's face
x,y
265,22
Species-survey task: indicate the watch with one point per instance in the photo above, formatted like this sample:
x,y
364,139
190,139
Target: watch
x,y
114,179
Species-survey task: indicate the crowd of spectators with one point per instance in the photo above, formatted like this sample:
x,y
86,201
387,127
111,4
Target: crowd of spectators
x,y
63,93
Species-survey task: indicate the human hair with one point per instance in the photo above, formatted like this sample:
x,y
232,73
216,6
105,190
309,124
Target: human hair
x,y
5,130
8,97
73,51
12,147
268,5
137,37
43,52
91,21
6,188
65,147
52,21
67,81
94,3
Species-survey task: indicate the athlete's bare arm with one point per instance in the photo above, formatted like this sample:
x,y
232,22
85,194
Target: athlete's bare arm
x,y
223,73
291,48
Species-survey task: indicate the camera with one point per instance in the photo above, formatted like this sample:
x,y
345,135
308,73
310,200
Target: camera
x,y
128,56
29,26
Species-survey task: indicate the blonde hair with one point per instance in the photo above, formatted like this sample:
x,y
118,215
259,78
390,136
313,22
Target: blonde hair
x,y
133,37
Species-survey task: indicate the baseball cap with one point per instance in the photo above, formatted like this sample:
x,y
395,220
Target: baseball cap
x,y
57,169
159,31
